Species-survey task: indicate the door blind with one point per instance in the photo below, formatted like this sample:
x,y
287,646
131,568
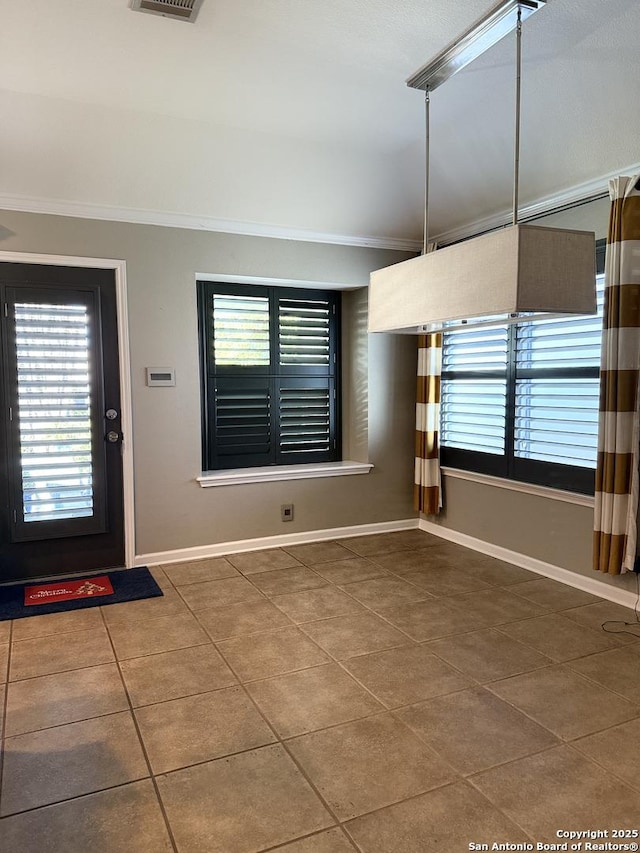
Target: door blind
x,y
54,411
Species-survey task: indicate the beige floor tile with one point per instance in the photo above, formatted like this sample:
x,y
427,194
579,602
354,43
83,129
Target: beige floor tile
x,y
246,617
444,580
314,604
613,616
619,670
331,841
65,697
559,789
160,578
200,728
312,699
379,593
445,821
416,539
441,547
495,572
474,730
319,552
122,820
172,675
59,652
616,749
199,571
283,581
350,571
200,596
4,662
367,764
253,562
428,620
405,675
402,562
3,693
5,629
156,635
488,655
56,764
57,623
346,636
241,804
380,543
497,606
558,638
554,595
170,604
564,702
271,653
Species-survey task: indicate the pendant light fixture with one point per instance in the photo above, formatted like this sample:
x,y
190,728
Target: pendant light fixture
x,y
497,277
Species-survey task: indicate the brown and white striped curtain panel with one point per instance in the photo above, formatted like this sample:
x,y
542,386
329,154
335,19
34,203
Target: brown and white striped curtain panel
x,y
616,499
427,491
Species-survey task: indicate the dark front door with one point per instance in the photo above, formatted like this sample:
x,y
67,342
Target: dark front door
x,y
61,498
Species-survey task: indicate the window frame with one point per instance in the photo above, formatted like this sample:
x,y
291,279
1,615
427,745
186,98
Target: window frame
x,y
572,478
277,376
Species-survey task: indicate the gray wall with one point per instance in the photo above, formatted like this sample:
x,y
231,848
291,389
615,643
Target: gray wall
x,y
172,510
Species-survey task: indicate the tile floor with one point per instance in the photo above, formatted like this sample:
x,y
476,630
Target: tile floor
x,y
384,694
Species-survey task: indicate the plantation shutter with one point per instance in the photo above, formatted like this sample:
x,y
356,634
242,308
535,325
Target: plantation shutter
x,y
271,361
242,425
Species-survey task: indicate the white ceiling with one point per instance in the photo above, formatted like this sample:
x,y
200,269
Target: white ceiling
x,y
293,114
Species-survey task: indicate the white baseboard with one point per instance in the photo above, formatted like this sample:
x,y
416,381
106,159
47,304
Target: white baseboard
x,y
588,584
219,549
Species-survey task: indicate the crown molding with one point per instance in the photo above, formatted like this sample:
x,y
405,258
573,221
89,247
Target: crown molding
x,y
578,194
87,210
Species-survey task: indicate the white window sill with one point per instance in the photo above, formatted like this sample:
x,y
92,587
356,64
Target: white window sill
x,y
275,473
517,486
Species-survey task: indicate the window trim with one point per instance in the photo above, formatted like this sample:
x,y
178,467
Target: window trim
x,y
549,492
275,374
278,473
508,467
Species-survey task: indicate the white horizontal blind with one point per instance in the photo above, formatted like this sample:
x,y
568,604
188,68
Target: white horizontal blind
x,y
303,332
241,330
473,405
54,411
557,388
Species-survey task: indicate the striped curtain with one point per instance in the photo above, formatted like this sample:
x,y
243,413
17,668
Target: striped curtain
x,y
616,499
427,491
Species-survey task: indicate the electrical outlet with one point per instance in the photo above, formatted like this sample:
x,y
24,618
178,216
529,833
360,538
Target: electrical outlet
x,y
286,512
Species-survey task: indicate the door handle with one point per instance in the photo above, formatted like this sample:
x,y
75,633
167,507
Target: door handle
x,y
113,437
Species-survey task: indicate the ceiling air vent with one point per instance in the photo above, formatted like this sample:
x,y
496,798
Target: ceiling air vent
x,y
182,10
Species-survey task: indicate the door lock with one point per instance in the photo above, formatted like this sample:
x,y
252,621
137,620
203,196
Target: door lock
x,y
111,414
113,436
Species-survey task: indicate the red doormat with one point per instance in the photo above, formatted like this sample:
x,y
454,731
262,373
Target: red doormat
x,y
112,587
46,593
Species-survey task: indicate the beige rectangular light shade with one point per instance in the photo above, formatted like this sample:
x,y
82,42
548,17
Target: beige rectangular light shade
x,y
522,268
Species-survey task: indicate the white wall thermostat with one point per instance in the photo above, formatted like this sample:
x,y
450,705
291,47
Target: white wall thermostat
x,y
160,376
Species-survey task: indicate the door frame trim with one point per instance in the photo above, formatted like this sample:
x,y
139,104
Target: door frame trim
x,y
120,270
